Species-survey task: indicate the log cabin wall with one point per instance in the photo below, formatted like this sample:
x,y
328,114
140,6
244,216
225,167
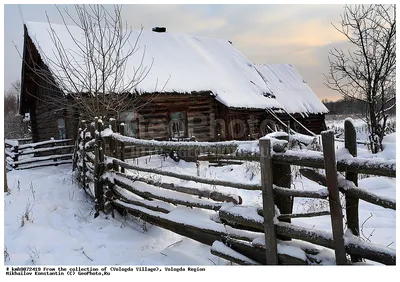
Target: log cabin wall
x,y
313,122
240,124
38,99
154,115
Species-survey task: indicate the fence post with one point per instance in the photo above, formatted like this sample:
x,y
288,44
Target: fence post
x,y
268,201
84,168
122,149
96,175
328,143
5,174
350,143
113,143
15,157
281,176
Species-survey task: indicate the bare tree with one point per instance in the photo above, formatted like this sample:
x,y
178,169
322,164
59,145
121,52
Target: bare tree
x,y
11,99
367,71
91,72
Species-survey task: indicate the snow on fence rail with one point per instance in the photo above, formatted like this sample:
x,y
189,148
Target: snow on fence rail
x,y
39,154
99,161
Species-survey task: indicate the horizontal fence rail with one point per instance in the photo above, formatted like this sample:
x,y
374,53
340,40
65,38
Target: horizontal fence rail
x,y
117,184
31,155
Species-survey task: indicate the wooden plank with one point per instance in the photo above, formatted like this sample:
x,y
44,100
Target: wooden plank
x,y
328,143
350,143
268,201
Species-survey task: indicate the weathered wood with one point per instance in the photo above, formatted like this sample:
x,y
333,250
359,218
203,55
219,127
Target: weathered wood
x,y
321,238
367,251
316,160
350,143
35,165
206,193
200,234
5,177
230,258
98,193
300,193
188,177
140,203
238,157
40,159
328,142
149,196
257,253
301,215
122,149
43,143
268,201
355,192
41,150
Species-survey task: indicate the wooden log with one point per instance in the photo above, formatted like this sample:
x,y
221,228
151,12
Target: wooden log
x,y
122,149
188,177
257,253
41,164
350,143
302,215
140,203
46,158
203,235
328,142
268,201
211,194
316,160
229,254
237,157
176,201
367,251
41,150
113,143
321,238
98,191
349,188
43,143
300,193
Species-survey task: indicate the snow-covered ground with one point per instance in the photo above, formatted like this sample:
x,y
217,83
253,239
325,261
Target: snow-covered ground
x,y
49,220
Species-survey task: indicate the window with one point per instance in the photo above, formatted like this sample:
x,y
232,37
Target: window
x,y
62,131
130,123
177,125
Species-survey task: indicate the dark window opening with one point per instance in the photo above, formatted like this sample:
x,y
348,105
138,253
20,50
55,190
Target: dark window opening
x,y
62,130
177,125
129,120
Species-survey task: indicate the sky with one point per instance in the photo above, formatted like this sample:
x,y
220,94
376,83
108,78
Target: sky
x,y
301,35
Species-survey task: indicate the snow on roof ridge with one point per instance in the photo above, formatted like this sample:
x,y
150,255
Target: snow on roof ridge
x,y
290,89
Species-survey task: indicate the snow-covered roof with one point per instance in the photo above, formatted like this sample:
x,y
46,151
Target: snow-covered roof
x,y
290,89
185,63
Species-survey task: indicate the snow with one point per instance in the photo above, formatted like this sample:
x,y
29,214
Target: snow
x,y
57,208
290,89
61,229
176,63
222,248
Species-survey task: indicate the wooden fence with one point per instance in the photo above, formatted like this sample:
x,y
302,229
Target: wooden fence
x,y
22,155
254,235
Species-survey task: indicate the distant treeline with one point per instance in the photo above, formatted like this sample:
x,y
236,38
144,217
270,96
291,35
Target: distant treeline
x,y
347,106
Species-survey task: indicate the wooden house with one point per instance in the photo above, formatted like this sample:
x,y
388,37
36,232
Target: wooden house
x,y
196,87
